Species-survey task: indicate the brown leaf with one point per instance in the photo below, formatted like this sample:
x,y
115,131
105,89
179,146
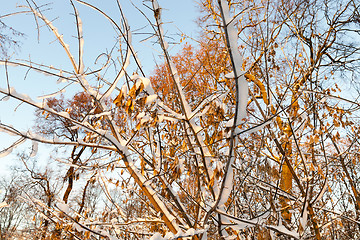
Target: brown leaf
x,y
119,100
129,107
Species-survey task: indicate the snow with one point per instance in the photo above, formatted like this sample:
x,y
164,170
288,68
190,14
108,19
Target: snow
x,y
205,105
150,99
8,150
63,207
230,123
144,119
233,36
79,228
61,80
23,97
186,106
124,90
144,183
138,83
6,98
181,164
173,114
156,5
304,216
161,118
140,115
39,202
58,36
196,127
147,85
242,84
5,152
12,92
51,95
180,234
106,113
34,149
253,129
325,187
157,236
228,184
108,92
173,70
284,230
243,99
3,204
8,63
230,75
64,114
81,44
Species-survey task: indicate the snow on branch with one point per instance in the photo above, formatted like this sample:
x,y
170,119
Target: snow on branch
x,y
8,150
231,35
173,71
59,36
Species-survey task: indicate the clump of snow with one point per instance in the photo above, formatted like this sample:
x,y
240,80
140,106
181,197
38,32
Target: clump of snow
x,y
242,84
229,123
5,98
150,99
3,204
64,114
284,230
9,150
230,75
63,207
140,115
124,90
52,94
157,236
34,149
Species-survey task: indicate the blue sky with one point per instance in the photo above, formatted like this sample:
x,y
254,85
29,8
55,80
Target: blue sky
x,y
99,36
